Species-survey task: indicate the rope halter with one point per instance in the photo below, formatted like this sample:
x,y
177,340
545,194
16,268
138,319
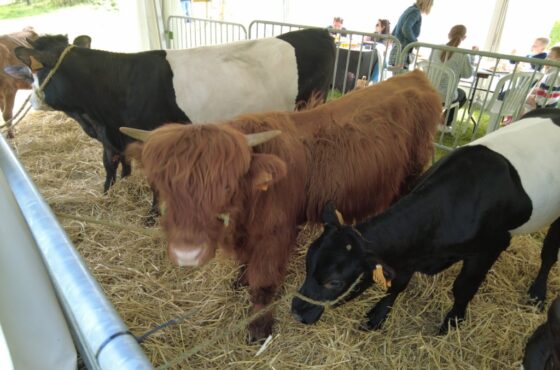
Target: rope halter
x,y
38,91
334,302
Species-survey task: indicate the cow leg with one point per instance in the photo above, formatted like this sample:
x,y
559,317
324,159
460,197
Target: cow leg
x,y
110,162
377,315
241,279
549,255
468,281
126,169
265,272
153,213
261,327
7,110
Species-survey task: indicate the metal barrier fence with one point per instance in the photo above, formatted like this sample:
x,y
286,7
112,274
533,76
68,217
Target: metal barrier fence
x,y
189,32
359,54
103,339
496,93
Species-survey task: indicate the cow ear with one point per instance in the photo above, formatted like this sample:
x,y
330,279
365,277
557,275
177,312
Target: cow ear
x,y
34,59
20,72
83,41
331,216
266,170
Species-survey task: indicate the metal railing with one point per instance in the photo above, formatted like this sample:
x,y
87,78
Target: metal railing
x,y
189,32
488,69
102,338
361,54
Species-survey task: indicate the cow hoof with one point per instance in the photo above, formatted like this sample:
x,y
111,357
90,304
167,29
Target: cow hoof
x,y
449,322
259,330
537,297
10,134
371,325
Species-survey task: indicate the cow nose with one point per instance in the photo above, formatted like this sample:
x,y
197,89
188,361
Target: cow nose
x,y
185,256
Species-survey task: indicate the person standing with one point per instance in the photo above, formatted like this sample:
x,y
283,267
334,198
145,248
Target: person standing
x,y
408,28
186,5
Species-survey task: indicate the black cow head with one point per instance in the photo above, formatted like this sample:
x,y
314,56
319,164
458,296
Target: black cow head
x,y
42,56
46,50
338,268
40,59
543,348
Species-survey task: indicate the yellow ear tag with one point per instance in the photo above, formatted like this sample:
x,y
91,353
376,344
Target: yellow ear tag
x,y
379,278
35,64
224,217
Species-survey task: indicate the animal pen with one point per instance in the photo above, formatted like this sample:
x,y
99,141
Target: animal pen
x,y
201,317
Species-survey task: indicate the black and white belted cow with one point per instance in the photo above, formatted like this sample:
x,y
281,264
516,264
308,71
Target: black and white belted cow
x,y
104,90
465,208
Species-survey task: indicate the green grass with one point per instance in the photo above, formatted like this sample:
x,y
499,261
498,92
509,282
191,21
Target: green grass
x,y
21,9
463,133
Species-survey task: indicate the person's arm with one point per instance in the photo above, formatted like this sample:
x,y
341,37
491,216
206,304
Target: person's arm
x,y
467,70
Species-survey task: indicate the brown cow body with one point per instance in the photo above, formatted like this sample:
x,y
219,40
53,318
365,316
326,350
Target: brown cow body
x,y
363,151
9,85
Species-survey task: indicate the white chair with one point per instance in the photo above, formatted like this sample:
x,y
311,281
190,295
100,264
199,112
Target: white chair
x,y
516,87
441,75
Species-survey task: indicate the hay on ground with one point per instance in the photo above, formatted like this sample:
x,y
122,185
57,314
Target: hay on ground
x,y
133,270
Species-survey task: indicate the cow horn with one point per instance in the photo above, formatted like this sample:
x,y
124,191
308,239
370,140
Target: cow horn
x,y
135,133
261,137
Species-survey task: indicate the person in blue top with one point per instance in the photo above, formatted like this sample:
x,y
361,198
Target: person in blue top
x,y
537,51
408,27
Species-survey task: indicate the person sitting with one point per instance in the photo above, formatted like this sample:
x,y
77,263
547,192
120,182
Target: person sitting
x,y
547,92
461,64
537,51
337,25
383,27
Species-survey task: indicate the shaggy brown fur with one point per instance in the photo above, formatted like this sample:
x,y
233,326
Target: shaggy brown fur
x,y
362,151
9,85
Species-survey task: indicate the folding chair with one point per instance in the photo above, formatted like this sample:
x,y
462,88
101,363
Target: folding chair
x,y
517,87
440,73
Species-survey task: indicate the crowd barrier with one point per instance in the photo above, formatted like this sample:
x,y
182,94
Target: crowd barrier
x,y
358,56
496,92
103,340
189,32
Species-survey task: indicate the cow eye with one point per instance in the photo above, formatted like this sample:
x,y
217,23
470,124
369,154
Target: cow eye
x,y
334,284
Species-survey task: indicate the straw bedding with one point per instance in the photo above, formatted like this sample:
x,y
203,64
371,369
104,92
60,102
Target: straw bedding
x,y
132,267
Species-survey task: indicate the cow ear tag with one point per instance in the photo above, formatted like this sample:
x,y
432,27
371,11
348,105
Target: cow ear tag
x,y
35,64
224,217
379,277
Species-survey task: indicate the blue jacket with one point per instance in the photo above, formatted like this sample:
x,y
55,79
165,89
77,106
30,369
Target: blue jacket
x,y
408,26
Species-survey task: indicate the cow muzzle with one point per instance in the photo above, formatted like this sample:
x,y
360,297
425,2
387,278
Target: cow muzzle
x,y
305,312
188,255
38,100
